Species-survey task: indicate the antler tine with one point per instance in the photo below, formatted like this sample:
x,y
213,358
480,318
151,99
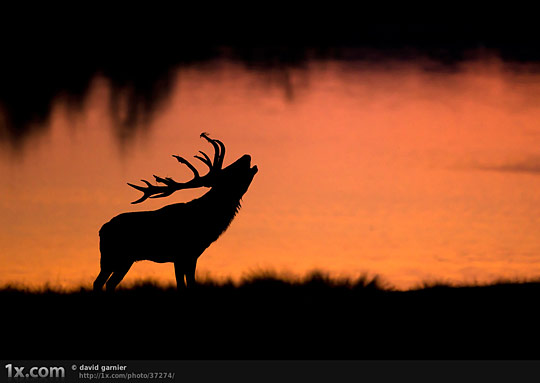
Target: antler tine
x,y
217,154
205,159
148,191
219,165
182,160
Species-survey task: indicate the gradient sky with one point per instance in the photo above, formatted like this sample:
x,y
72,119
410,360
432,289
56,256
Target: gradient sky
x,y
393,170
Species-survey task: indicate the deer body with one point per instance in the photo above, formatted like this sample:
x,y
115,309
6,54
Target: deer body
x,y
177,233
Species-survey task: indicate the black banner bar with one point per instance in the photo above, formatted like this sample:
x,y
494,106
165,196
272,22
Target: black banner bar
x,y
268,371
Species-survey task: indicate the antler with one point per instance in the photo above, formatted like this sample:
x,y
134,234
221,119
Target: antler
x,y
170,185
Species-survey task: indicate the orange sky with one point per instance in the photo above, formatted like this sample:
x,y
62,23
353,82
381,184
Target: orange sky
x,y
394,171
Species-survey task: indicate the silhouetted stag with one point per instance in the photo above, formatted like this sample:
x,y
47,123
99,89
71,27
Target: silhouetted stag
x,y
180,232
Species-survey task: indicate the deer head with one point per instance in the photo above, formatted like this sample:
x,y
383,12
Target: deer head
x,y
232,180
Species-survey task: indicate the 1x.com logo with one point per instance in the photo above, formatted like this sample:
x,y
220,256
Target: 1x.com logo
x,y
34,372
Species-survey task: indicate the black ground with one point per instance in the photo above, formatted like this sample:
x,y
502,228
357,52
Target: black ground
x,y
267,317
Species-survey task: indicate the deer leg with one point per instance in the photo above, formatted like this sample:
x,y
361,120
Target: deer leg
x,y
101,279
117,277
179,272
190,273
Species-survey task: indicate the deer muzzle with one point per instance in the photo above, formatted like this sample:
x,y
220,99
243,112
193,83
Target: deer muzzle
x,y
246,161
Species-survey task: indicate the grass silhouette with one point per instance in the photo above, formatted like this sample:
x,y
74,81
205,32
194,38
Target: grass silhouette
x,y
272,316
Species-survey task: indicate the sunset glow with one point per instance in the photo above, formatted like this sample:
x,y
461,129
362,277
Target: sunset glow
x,y
410,174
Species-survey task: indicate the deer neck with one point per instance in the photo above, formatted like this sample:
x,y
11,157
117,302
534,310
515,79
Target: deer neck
x,y
222,203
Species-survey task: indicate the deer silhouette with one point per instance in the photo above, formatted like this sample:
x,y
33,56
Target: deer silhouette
x,y
177,233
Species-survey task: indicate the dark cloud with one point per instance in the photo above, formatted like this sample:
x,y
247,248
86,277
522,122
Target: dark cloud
x,y
140,53
530,165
